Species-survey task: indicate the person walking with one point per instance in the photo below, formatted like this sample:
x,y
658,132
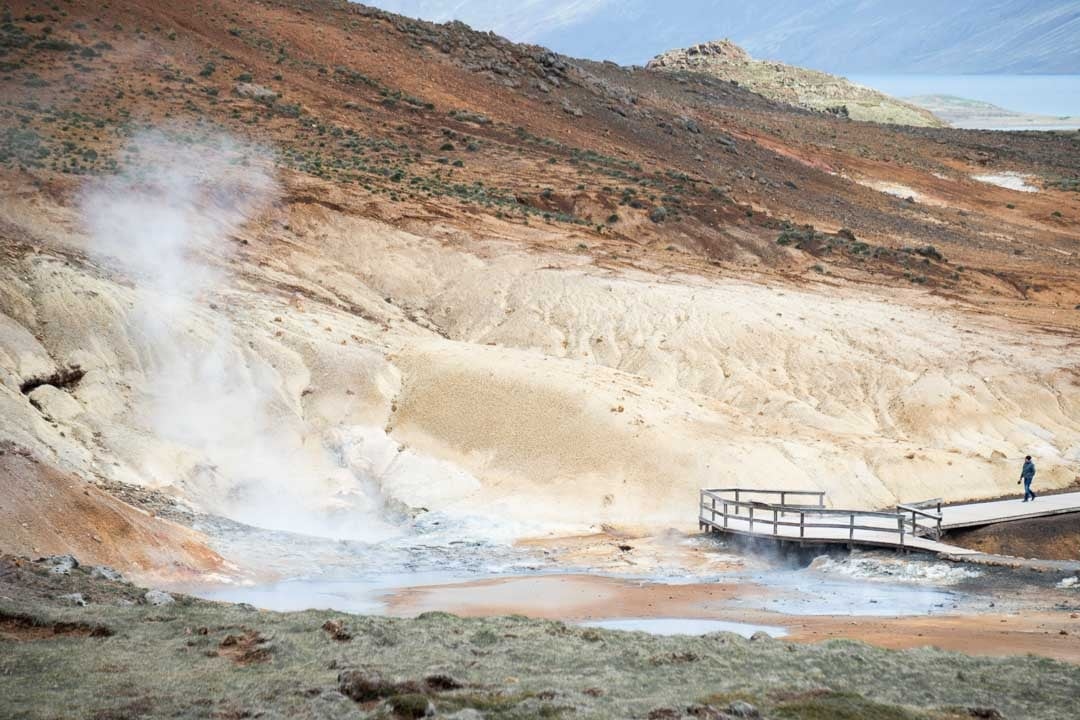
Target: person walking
x,y
1027,474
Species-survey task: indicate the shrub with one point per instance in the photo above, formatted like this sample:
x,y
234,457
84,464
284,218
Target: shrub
x,y
659,214
930,252
207,70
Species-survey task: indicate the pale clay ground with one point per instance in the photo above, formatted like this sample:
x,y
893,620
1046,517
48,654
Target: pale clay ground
x,y
562,396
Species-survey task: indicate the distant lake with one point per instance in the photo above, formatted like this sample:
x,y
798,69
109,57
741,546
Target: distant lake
x,y
1054,95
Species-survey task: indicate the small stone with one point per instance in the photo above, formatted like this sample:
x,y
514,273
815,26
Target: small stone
x,y
105,573
336,629
743,709
760,636
466,714
364,685
158,597
73,599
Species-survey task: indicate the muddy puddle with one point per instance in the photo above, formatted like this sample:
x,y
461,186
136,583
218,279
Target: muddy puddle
x,y
672,585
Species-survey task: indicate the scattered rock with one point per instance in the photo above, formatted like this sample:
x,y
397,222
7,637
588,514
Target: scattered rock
x,y
1069,582
760,636
743,709
466,714
442,683
106,573
158,597
985,713
60,564
54,403
364,685
336,629
664,713
73,599
255,92
251,647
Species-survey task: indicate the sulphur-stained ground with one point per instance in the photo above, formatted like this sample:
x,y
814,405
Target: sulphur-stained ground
x,y
129,654
317,268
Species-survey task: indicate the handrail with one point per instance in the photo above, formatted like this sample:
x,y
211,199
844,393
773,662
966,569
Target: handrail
x,y
767,492
709,499
916,512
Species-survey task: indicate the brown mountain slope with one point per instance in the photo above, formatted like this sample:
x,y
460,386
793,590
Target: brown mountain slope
x,y
432,268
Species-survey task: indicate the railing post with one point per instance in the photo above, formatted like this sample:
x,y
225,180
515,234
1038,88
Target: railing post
x,y
774,521
900,522
802,524
725,513
851,531
751,519
713,499
736,500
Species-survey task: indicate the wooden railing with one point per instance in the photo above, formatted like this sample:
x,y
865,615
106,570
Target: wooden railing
x,y
927,510
723,507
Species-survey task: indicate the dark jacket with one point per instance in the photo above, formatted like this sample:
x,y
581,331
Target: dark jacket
x,y
1028,472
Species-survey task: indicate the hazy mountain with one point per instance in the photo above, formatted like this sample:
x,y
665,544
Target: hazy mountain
x,y
845,36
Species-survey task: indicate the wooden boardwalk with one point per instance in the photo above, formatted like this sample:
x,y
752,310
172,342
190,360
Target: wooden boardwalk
x,y
801,517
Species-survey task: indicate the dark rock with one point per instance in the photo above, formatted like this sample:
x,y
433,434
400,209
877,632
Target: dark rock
x,y
985,713
442,683
336,629
60,564
664,713
364,685
73,599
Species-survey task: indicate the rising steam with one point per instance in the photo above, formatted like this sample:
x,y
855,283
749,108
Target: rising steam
x,y
229,429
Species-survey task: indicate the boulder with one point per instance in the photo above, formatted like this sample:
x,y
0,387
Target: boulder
x,y
158,597
54,403
60,564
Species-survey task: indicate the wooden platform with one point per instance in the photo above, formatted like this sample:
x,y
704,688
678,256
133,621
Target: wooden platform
x,y
801,517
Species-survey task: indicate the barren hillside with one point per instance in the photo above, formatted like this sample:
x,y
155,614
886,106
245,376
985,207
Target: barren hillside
x,y
810,89
315,267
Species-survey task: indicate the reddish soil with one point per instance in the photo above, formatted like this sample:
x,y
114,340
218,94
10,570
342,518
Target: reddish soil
x,y
47,512
420,124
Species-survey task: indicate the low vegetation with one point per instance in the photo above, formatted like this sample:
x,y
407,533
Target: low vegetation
x,y
122,656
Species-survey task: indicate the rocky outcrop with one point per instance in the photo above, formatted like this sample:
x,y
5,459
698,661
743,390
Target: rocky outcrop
x,y
802,87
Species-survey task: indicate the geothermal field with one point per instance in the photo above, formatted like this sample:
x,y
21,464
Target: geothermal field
x,y
358,366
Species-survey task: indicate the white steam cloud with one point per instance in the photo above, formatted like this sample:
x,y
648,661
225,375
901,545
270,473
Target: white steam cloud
x,y
235,436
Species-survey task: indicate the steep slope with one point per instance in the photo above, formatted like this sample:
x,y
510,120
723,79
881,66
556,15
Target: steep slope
x,y
313,267
806,88
850,36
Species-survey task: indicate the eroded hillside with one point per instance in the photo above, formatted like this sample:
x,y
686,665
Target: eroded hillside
x,y
314,267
